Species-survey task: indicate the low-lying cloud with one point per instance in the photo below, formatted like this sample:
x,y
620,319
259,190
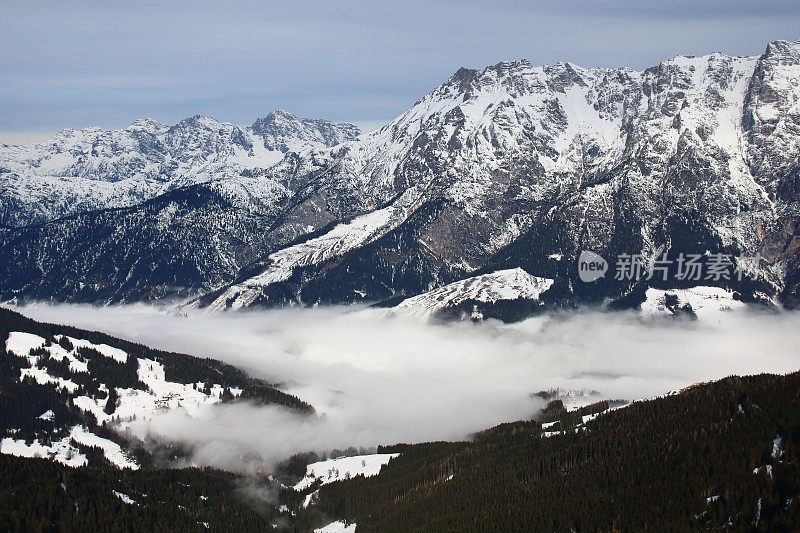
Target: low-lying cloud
x,y
378,380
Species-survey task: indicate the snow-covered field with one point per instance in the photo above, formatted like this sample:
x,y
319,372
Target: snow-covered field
x,y
337,527
706,302
340,468
64,452
61,451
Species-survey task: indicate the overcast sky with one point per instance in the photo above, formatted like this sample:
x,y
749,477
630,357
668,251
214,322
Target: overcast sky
x,y
83,63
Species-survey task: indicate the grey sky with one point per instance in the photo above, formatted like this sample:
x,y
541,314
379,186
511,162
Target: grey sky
x,y
82,63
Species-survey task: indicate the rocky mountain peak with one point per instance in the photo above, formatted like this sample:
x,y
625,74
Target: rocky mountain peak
x,y
783,51
146,124
94,168
487,150
562,76
281,130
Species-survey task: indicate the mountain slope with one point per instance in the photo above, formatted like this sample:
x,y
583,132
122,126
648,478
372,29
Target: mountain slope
x,y
509,287
63,389
716,455
82,170
172,246
514,165
39,495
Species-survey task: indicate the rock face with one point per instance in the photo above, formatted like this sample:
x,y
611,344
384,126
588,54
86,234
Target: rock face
x,y
78,171
509,166
284,132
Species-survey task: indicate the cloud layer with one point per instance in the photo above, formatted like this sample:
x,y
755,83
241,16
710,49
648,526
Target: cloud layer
x,y
377,380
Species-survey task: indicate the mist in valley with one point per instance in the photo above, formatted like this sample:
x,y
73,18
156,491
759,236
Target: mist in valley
x,y
375,379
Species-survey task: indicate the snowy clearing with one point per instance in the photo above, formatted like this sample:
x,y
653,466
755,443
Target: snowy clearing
x,y
344,468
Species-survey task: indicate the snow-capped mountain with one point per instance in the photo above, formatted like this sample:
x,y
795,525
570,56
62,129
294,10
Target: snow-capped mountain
x,y
516,165
284,132
509,166
82,170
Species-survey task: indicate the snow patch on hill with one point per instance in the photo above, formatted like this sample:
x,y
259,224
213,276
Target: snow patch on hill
x,y
337,527
344,468
708,303
61,451
65,452
124,497
111,449
508,284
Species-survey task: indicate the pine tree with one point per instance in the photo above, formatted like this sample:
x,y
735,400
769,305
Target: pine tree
x,y
111,402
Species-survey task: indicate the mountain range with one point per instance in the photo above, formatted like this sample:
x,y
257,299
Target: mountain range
x,y
510,166
84,170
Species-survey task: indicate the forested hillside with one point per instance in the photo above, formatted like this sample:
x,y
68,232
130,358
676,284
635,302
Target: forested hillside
x,y
718,455
69,394
40,495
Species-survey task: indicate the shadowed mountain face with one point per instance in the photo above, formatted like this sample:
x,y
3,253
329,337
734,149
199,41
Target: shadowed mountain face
x,y
509,166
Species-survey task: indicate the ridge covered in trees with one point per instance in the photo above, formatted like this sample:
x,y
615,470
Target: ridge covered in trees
x,y
41,495
178,367
46,411
718,455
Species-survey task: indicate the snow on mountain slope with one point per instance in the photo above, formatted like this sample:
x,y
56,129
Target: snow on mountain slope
x,y
61,451
65,452
81,170
284,132
707,303
340,468
88,386
772,124
337,527
112,451
334,243
527,162
501,285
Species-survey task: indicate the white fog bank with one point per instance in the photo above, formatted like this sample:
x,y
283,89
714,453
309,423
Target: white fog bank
x,y
378,380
